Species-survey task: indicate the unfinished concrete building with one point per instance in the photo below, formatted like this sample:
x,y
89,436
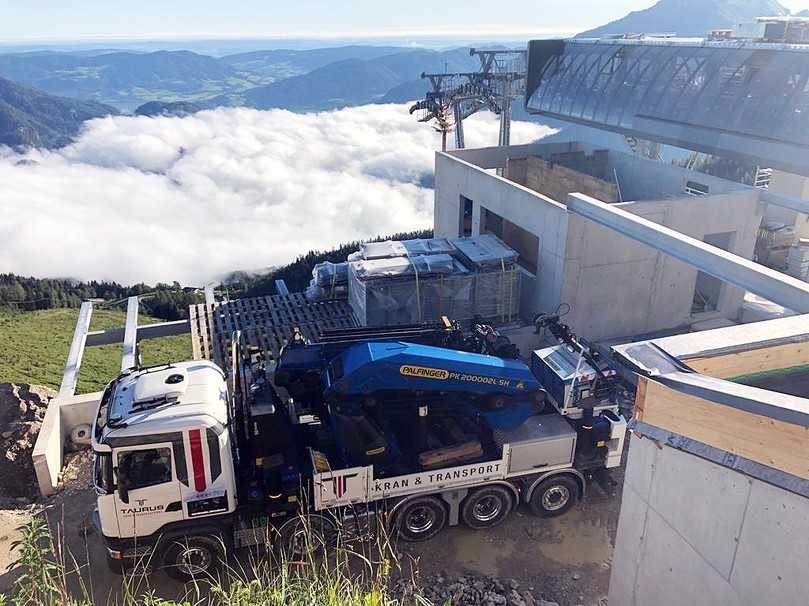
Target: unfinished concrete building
x,y
614,286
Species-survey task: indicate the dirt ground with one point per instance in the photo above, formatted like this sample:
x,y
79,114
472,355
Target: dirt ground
x,y
565,559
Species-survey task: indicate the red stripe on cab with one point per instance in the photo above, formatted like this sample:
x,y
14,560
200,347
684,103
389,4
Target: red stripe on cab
x,y
197,460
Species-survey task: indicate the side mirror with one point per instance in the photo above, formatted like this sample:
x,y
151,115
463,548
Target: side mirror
x,y
123,490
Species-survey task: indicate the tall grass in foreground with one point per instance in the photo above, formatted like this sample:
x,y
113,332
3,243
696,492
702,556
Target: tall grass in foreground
x,y
48,575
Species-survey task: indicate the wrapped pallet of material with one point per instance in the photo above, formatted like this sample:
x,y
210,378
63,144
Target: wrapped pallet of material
x,y
405,290
497,294
485,252
329,282
497,284
405,248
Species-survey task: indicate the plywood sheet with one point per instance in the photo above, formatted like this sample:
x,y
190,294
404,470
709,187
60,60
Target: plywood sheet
x,y
742,363
767,441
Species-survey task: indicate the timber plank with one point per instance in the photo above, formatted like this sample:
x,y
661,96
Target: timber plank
x,y
759,438
752,361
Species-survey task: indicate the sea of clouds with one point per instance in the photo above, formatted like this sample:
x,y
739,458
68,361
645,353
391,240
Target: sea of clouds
x,y
188,199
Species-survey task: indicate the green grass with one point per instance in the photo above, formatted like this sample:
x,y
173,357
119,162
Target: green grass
x,y
767,374
34,347
47,574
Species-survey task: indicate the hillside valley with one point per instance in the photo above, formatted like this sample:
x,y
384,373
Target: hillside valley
x,y
31,118
36,87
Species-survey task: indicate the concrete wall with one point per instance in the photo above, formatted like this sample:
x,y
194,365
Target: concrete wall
x,y
61,416
694,532
556,181
642,179
619,287
532,211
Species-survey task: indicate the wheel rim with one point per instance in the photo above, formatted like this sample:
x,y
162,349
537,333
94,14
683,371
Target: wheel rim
x,y
555,498
487,508
420,520
297,542
194,560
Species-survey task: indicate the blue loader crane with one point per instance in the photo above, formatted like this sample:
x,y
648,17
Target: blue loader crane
x,y
369,368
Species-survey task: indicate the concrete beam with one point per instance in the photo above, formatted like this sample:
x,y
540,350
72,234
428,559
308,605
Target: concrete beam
x,y
210,296
796,204
74,357
61,416
763,281
130,353
114,336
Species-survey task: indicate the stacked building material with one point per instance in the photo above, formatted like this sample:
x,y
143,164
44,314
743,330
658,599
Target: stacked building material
x,y
798,260
497,283
773,243
422,280
405,290
329,282
405,248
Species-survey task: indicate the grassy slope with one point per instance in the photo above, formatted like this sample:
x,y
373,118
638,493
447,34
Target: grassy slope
x,y
34,347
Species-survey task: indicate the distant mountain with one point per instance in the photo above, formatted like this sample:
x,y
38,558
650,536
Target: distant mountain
x,y
279,64
125,79
162,108
29,117
689,17
357,82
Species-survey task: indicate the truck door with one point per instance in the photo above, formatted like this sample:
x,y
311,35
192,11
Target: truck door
x,y
147,495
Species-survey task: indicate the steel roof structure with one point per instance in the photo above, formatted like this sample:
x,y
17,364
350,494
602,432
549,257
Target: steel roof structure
x,y
744,99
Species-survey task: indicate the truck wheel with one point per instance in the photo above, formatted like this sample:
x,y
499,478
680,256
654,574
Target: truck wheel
x,y
306,536
116,566
187,558
486,507
421,519
554,496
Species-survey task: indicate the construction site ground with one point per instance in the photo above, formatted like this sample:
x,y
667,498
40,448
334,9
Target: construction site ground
x,y
565,559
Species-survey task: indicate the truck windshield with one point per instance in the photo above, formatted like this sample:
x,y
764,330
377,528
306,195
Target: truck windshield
x,y
102,472
142,468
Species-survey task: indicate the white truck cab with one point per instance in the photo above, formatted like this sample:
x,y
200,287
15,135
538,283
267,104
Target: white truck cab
x,y
162,454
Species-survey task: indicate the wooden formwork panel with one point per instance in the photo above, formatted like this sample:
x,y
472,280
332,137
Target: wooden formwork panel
x,y
751,361
768,441
265,322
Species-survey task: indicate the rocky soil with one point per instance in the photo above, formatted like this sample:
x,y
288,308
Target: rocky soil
x,y
471,590
22,408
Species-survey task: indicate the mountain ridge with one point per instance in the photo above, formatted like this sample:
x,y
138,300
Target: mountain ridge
x,y
688,17
357,82
31,118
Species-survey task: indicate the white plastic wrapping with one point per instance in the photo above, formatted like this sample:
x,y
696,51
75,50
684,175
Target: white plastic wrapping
x,y
486,251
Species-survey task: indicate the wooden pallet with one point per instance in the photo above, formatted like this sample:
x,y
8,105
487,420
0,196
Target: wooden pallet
x,y
265,322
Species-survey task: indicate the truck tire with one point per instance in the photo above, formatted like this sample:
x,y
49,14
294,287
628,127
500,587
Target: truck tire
x,y
554,496
421,519
304,537
116,566
192,557
486,507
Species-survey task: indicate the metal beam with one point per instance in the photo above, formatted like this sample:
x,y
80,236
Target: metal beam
x,y
796,204
130,354
71,374
113,336
763,281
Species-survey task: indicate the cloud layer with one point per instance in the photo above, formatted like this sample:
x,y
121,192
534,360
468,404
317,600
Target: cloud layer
x,y
163,199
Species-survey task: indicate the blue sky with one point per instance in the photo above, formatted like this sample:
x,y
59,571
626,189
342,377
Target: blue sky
x,y
104,19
